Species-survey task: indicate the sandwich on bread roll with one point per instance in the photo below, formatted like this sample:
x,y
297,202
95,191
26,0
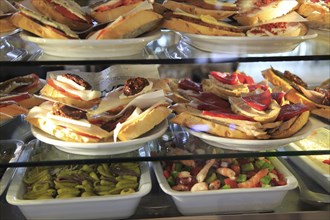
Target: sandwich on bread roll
x,y
211,114
199,24
30,83
72,90
131,25
216,9
317,12
109,10
6,11
285,29
40,25
24,99
141,123
226,84
66,12
255,12
297,91
137,91
10,109
65,123
182,90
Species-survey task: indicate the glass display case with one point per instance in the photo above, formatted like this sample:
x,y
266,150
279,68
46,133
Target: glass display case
x,y
174,57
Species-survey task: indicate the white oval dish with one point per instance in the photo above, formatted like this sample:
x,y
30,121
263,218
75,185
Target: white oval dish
x,y
101,148
255,145
92,48
245,45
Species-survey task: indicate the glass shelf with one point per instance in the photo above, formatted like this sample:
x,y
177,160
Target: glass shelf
x,y
173,145
168,49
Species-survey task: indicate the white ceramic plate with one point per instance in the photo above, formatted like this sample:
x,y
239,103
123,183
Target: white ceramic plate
x,y
101,148
92,48
255,145
245,45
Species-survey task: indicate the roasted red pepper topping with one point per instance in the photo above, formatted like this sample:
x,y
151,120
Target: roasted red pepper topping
x,y
291,110
244,79
226,78
326,161
259,101
188,84
257,86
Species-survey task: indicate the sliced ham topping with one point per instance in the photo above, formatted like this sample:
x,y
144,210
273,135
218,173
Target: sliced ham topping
x,y
291,110
188,84
213,99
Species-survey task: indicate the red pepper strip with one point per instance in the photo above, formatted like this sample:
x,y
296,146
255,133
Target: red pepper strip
x,y
244,79
226,78
259,101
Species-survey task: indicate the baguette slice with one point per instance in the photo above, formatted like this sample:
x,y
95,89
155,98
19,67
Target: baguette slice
x,y
130,26
255,12
144,122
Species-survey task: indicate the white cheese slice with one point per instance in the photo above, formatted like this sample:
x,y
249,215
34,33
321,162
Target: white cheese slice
x,y
85,95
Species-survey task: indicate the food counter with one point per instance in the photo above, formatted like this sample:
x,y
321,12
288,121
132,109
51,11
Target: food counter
x,y
171,55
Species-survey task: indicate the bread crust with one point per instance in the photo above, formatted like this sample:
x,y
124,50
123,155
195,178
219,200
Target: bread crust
x,y
191,9
50,92
132,26
193,28
47,9
44,31
188,120
269,75
11,110
209,86
111,15
6,25
263,14
299,123
144,123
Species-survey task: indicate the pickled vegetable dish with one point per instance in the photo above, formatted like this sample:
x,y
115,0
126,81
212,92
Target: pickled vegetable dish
x,y
81,180
227,173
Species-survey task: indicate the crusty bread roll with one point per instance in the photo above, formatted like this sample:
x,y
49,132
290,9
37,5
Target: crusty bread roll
x,y
186,26
317,14
50,92
129,26
6,25
63,128
70,15
143,123
241,108
298,124
199,124
191,9
112,14
28,24
255,12
295,97
284,29
10,109
276,80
